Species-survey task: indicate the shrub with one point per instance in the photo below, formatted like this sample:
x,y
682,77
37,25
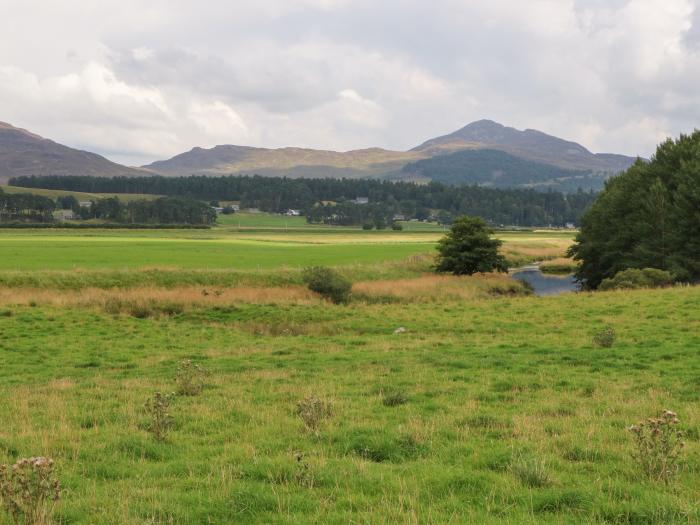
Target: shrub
x,y
313,411
634,278
367,226
328,284
158,409
658,446
29,491
396,226
605,338
189,378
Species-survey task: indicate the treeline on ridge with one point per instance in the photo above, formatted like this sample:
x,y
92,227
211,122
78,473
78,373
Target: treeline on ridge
x,y
516,207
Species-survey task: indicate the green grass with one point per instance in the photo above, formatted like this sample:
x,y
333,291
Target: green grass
x,y
263,220
508,412
81,196
22,253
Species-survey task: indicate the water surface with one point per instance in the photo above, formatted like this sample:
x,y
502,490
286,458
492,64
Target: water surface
x,y
544,284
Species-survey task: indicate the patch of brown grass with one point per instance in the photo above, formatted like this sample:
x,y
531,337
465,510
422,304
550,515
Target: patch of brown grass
x,y
439,287
120,300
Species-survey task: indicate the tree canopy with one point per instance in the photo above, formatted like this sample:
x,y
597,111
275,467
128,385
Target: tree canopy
x,y
318,198
647,217
468,248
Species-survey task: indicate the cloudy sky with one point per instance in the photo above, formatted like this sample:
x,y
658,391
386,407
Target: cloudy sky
x,y
140,80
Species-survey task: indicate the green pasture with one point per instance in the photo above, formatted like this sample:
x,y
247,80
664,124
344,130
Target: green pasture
x,y
485,412
81,196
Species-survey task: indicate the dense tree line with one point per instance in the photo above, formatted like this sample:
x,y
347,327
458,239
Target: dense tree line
x,y
25,207
277,194
647,217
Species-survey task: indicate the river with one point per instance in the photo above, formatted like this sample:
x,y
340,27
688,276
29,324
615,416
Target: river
x,y
544,284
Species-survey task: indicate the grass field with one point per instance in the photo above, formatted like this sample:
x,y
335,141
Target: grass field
x,y
489,407
81,196
489,411
254,248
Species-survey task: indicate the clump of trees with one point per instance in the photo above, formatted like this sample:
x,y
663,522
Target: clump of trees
x,y
27,207
468,248
647,217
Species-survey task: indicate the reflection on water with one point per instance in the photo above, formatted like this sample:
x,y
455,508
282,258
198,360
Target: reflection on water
x,y
544,284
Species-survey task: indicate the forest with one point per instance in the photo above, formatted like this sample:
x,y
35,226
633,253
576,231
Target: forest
x,y
513,207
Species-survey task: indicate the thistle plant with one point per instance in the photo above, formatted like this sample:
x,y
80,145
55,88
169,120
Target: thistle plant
x,y
658,446
312,411
29,491
158,409
190,378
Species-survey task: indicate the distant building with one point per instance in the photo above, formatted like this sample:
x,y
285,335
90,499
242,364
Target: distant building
x,y
235,207
218,209
64,215
570,225
293,213
361,200
399,217
85,204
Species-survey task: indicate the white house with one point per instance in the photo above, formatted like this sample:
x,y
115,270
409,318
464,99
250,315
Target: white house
x,y
361,200
64,215
293,213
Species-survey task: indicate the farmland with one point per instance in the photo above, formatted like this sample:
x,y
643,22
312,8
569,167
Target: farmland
x,y
489,406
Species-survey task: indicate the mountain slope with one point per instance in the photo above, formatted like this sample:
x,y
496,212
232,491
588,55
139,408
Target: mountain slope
x,y
529,144
530,159
498,169
290,162
24,153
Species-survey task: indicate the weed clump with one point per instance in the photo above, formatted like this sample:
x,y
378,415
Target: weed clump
x,y
158,409
29,491
658,446
393,397
190,378
531,471
328,283
313,411
605,338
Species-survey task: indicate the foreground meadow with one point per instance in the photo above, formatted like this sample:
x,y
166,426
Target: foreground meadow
x,y
486,409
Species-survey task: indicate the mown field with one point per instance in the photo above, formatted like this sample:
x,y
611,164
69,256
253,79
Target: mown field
x,y
490,406
257,248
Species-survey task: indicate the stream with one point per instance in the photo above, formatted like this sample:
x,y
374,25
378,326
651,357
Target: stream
x,y
544,284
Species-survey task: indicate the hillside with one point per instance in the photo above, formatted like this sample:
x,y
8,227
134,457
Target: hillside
x,y
497,169
529,144
24,153
290,162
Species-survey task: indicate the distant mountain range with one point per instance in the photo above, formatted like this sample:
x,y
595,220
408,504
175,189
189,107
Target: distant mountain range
x,y
484,153
24,153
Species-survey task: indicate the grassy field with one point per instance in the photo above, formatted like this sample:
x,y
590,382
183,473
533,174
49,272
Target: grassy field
x,y
493,410
81,196
254,248
488,406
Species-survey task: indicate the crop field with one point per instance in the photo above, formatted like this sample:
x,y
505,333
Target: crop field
x,y
444,399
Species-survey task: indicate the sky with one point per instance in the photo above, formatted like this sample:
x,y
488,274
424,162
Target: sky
x,y
139,81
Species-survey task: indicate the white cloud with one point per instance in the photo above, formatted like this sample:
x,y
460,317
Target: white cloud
x,y
141,81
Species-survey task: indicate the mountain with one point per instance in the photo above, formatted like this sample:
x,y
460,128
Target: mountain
x,y
484,152
529,144
498,169
24,153
288,162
